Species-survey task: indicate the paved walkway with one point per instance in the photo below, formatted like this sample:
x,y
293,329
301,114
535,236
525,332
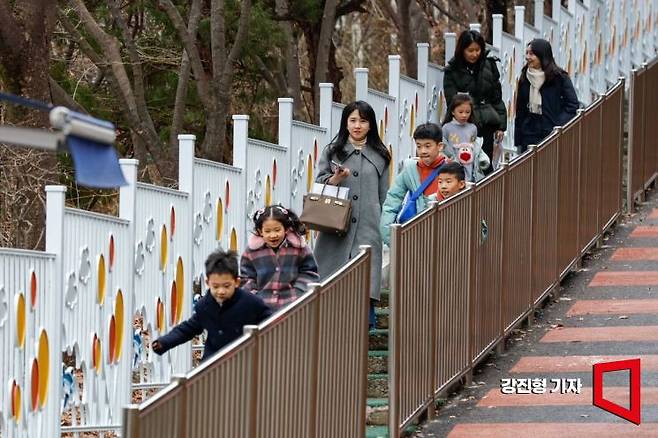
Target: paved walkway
x,y
607,311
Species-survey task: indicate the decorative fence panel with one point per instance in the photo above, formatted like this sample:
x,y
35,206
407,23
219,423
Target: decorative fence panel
x,y
163,296
96,323
30,344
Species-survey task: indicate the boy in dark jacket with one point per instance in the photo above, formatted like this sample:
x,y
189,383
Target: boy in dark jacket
x,y
223,311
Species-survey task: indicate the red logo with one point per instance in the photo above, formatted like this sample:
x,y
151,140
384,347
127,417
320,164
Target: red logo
x,y
633,366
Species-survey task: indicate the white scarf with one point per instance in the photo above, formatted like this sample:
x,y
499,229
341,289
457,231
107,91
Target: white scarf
x,y
536,78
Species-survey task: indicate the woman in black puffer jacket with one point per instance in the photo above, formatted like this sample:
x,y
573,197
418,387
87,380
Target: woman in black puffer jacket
x,y
473,71
545,96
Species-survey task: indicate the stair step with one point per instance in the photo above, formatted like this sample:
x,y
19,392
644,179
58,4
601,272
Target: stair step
x,y
377,385
377,412
382,317
378,339
377,432
382,431
377,362
383,298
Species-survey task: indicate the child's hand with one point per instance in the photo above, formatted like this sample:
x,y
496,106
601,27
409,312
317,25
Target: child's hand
x,y
157,347
340,173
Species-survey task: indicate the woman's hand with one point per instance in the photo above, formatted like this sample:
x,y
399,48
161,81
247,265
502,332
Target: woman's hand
x,y
498,135
340,173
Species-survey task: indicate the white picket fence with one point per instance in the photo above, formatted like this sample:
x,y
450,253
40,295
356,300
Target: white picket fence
x,y
100,272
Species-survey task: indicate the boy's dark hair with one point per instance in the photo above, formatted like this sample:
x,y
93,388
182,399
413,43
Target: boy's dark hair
x,y
222,262
279,213
428,131
457,100
454,168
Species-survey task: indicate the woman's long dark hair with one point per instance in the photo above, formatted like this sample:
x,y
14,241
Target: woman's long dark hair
x,y
542,50
466,38
373,140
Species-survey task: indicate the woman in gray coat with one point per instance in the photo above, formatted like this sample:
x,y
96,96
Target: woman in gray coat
x,y
356,159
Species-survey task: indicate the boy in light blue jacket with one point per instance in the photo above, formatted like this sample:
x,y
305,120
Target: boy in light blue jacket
x,y
429,148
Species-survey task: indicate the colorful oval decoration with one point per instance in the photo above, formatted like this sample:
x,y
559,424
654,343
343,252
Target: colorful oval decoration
x,y
227,195
390,167
102,285
34,385
119,321
274,173
315,150
160,315
173,302
43,356
96,354
233,246
385,118
20,320
33,290
180,288
309,174
112,341
220,219
412,125
172,222
163,248
15,397
381,129
111,254
268,192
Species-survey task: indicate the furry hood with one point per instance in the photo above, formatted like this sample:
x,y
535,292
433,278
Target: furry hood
x,y
292,239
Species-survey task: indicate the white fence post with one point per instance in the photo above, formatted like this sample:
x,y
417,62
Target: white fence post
x,y
286,105
394,76
556,11
326,100
423,70
539,15
451,42
240,140
361,78
55,201
476,27
127,211
497,34
519,21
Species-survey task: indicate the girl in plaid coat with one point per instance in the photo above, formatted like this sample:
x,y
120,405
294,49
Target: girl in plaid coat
x,y
278,265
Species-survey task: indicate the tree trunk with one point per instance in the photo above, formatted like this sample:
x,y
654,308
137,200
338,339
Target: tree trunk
x,y
24,56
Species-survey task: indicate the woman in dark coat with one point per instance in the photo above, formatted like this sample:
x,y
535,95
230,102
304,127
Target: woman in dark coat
x,y
473,71
545,96
356,159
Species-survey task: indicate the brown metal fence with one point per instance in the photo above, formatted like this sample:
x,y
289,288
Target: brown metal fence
x,y
642,143
301,373
466,272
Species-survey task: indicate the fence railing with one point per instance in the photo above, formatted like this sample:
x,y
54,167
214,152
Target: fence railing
x,y
643,131
303,372
495,251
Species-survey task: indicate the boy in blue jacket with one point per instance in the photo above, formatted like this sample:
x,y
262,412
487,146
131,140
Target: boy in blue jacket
x,y
223,311
429,148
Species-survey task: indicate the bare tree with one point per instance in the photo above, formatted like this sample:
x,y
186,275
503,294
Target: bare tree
x,y
24,57
214,87
131,92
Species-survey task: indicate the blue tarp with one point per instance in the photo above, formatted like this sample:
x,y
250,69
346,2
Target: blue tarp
x,y
96,164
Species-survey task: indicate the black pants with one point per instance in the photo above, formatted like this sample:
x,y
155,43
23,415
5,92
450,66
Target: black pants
x,y
487,134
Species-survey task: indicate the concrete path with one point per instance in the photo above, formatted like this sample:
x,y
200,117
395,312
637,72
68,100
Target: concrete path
x,y
607,311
